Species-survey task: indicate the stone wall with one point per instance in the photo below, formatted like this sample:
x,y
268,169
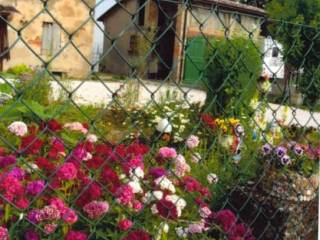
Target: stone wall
x,y
72,17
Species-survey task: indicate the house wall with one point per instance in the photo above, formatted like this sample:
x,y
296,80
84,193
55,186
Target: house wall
x,y
218,25
119,27
71,14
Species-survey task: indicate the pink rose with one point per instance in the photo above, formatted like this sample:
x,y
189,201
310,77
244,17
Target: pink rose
x,y
125,224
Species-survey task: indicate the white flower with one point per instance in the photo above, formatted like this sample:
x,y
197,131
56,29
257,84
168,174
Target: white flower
x,y
181,232
196,157
87,157
157,194
164,126
154,209
212,178
136,187
18,128
178,201
92,138
165,227
136,173
165,184
31,167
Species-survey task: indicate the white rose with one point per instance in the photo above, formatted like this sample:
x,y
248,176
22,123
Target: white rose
x,y
136,187
165,184
164,126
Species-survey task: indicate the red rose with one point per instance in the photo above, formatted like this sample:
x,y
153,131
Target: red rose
x,y
167,209
137,235
125,224
31,144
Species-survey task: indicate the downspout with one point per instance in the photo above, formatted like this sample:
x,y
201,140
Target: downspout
x,y
183,45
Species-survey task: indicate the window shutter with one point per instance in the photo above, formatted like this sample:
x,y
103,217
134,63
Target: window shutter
x,y
47,39
56,38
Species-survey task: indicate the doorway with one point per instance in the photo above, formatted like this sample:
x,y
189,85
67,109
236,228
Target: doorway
x,y
166,30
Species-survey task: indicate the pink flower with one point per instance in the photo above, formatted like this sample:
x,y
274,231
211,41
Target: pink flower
x,y
76,126
181,167
58,203
67,171
196,228
137,205
50,228
69,216
18,128
125,224
50,212
76,235
96,209
35,187
31,235
34,216
166,152
4,235
205,212
124,194
192,142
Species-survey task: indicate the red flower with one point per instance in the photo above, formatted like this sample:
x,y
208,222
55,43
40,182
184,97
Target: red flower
x,y
137,149
22,203
31,144
191,184
57,148
226,219
95,162
52,125
93,192
110,178
44,164
2,151
125,224
137,235
209,121
167,209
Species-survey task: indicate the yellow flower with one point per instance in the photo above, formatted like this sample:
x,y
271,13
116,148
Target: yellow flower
x,y
233,121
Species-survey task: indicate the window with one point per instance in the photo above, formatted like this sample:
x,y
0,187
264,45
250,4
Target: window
x,y
141,12
275,52
133,45
51,38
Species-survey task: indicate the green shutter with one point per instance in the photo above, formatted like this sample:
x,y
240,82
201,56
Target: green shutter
x,y
194,61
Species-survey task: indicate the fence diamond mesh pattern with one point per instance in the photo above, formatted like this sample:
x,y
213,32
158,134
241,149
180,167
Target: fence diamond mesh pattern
x,y
190,120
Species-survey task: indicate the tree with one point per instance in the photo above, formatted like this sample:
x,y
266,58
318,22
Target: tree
x,y
257,3
296,25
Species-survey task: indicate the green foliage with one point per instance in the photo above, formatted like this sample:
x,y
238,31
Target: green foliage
x,y
309,85
234,68
19,69
298,32
37,89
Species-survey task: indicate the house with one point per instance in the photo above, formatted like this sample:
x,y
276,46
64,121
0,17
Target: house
x,y
59,34
171,25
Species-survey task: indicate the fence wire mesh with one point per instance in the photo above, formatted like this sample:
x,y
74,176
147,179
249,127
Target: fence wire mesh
x,y
194,120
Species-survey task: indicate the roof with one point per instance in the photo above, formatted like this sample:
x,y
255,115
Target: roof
x,y
234,6
222,4
6,10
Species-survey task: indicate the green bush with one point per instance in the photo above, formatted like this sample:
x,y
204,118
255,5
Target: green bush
x,y
19,69
36,89
309,85
233,71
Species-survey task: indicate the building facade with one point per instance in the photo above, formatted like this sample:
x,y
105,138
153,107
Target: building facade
x,y
36,34
174,25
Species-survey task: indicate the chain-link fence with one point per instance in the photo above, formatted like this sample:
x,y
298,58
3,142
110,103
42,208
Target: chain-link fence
x,y
198,120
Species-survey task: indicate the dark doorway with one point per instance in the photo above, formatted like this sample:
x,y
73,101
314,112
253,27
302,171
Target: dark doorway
x,y
165,47
4,53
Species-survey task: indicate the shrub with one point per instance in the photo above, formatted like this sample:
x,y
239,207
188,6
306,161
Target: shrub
x,y
19,69
233,71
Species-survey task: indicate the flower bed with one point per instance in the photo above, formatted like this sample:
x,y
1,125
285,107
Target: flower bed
x,y
60,182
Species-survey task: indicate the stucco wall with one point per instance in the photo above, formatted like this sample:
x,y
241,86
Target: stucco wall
x,y
213,24
118,27
71,14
